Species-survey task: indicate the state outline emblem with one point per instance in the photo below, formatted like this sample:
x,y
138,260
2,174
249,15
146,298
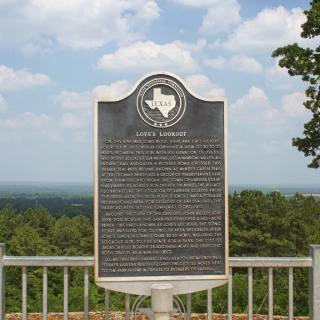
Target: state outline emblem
x,y
161,102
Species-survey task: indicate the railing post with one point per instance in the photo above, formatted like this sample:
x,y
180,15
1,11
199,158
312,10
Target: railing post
x,y
65,293
314,283
209,304
290,279
106,304
86,293
189,301
250,299
45,294
2,282
230,295
127,306
24,293
270,289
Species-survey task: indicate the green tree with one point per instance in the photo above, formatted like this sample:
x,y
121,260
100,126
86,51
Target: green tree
x,y
306,63
256,225
74,237
9,221
27,242
86,231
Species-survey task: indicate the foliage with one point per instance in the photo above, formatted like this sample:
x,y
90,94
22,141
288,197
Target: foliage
x,y
45,190
57,206
305,63
260,225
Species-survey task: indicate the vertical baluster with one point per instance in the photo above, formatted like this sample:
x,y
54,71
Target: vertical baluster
x,y
65,293
45,293
230,295
127,306
189,306
2,281
106,304
270,288
290,293
24,293
314,280
209,304
86,293
249,293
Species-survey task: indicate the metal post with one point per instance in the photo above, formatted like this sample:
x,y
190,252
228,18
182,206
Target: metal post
x,y
24,293
314,283
250,301
189,306
127,306
45,293
2,281
86,293
230,295
65,293
162,301
290,293
270,288
106,304
209,305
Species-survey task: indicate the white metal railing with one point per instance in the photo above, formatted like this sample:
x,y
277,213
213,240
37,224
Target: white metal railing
x,y
312,262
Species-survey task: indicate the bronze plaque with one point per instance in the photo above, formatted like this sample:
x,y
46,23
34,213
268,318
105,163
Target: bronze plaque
x,y
161,197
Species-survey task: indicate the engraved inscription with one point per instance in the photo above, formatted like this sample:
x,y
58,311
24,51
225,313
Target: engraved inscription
x,y
160,203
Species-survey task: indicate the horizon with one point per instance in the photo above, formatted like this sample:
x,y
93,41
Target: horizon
x,y
90,184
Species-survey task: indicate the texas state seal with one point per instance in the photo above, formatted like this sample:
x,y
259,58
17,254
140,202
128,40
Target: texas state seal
x,y
161,102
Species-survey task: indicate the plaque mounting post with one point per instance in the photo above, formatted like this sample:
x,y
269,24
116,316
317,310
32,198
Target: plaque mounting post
x,y
162,301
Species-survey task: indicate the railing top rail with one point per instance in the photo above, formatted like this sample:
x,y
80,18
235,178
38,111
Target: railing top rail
x,y
234,262
43,261
282,262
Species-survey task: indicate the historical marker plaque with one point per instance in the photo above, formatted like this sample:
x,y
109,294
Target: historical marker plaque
x,y
161,199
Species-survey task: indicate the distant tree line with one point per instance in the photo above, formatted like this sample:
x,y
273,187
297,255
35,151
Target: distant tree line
x,y
264,225
57,206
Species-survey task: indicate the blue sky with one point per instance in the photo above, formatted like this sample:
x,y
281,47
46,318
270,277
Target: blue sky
x,y
55,57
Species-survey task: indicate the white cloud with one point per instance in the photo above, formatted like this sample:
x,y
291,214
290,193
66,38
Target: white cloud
x,y
253,113
3,104
220,17
266,129
239,62
216,44
28,126
82,104
278,78
33,25
236,148
149,56
80,136
217,63
274,147
192,47
21,79
115,90
292,105
242,62
27,119
202,85
84,100
71,120
74,100
271,28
